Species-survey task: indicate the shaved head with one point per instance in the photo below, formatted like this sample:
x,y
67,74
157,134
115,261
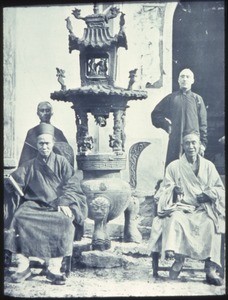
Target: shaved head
x,y
44,111
186,79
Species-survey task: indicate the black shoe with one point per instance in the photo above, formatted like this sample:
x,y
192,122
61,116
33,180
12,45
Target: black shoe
x,y
19,277
56,279
43,272
214,280
212,276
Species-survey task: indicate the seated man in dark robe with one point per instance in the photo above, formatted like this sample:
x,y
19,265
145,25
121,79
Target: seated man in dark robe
x,y
43,226
29,150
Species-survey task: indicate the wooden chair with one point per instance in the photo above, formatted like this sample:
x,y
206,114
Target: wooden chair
x,y
187,268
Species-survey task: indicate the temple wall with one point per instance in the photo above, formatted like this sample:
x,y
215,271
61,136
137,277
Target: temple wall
x,y
40,44
150,51
9,65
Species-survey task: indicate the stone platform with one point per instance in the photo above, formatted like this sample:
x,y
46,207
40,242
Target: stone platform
x,y
119,255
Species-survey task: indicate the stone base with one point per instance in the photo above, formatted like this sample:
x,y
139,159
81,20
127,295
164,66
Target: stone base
x,y
120,254
105,259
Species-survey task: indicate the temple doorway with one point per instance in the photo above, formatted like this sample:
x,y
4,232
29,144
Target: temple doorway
x,y
198,44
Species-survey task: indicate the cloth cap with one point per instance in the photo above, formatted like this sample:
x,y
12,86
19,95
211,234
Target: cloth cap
x,y
45,128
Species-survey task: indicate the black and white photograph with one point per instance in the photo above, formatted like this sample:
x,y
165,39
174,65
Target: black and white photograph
x,y
114,149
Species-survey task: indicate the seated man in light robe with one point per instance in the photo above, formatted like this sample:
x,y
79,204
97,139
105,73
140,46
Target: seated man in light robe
x,y
191,212
43,224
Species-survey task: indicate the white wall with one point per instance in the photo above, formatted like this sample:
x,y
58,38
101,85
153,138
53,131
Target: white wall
x,y
42,45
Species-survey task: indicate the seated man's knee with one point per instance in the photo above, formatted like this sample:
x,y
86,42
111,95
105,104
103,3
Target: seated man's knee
x,y
66,221
178,216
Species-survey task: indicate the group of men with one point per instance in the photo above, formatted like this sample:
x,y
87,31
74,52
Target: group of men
x,y
191,199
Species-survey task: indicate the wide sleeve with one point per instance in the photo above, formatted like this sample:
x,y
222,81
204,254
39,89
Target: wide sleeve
x,y
29,150
165,193
21,174
216,191
161,113
71,195
202,117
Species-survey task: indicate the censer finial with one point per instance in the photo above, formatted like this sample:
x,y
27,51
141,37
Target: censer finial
x,y
95,8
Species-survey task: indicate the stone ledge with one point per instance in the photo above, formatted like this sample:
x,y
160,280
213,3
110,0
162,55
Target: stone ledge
x,y
131,249
119,255
106,259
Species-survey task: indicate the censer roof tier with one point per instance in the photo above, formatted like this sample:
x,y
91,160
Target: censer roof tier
x,y
97,34
98,63
97,37
104,91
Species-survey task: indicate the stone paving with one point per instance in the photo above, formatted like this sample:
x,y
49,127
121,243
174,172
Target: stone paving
x,y
132,276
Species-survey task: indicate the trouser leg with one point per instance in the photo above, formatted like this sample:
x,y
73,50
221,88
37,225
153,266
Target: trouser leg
x,y
55,265
22,262
23,271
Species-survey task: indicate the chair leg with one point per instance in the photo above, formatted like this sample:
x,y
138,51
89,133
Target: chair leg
x,y
7,258
66,265
222,255
68,268
155,260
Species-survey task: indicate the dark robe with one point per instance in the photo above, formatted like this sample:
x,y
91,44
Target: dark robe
x,y
38,228
29,149
187,112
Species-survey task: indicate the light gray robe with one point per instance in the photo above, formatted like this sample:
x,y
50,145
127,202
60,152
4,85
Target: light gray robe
x,y
190,228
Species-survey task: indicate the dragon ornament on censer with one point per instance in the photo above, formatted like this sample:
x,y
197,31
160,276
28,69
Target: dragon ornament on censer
x,y
107,194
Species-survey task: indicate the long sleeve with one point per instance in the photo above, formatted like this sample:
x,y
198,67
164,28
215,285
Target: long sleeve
x,y
160,113
202,116
165,193
29,150
20,175
215,190
71,195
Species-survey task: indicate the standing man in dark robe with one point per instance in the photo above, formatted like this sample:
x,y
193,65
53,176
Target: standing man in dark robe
x,y
181,111
29,150
43,225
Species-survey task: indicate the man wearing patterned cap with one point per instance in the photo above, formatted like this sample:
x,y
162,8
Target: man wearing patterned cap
x,y
191,212
43,225
180,111
29,150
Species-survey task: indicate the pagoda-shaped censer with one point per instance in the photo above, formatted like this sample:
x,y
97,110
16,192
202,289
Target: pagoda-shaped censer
x,y
107,194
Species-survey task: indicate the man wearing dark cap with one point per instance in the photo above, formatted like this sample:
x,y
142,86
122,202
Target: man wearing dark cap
x,y
29,150
43,225
179,111
191,212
